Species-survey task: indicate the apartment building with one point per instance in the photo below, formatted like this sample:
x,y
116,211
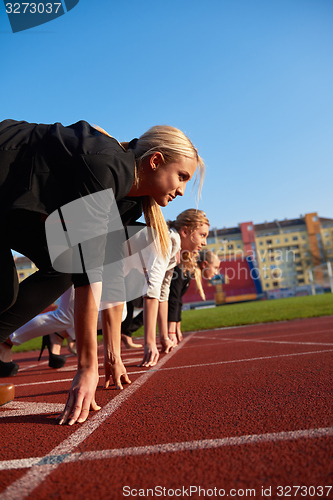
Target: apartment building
x,y
24,267
283,251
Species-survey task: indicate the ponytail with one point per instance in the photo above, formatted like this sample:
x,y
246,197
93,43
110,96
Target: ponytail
x,y
154,218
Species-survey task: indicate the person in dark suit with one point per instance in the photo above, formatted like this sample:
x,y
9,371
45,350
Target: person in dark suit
x,y
44,169
208,265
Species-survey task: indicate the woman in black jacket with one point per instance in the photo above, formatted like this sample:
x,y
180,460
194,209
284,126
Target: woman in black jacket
x,y
50,171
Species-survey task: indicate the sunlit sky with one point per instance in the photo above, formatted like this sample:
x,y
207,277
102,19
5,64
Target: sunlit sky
x,y
249,81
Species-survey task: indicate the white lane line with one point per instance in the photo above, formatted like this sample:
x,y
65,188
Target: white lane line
x,y
22,487
269,325
268,342
265,337
205,444
59,380
19,408
261,358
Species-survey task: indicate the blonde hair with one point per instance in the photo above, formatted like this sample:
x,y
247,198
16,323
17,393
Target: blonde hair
x,y
192,219
172,143
206,256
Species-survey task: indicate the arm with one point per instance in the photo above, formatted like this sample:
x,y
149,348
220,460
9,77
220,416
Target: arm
x,y
150,309
113,365
179,332
175,303
162,321
172,331
82,392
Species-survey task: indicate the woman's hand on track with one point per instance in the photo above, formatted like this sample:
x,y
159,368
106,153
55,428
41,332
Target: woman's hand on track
x,y
179,336
81,397
173,338
117,371
167,345
150,355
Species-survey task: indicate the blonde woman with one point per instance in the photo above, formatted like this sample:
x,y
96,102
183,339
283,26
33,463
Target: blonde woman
x,y
44,168
189,233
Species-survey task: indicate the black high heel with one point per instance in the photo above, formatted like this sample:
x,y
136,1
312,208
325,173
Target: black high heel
x,y
55,360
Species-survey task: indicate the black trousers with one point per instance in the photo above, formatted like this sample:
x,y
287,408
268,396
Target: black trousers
x,y
179,284
130,324
24,231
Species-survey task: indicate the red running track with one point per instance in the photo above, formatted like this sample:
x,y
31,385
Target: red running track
x,y
238,412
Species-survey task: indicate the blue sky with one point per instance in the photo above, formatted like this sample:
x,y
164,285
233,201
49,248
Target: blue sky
x,y
249,81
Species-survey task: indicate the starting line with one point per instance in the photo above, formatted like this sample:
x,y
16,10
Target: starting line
x,y
204,444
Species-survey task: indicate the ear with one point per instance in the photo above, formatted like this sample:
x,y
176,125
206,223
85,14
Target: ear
x,y
184,231
156,160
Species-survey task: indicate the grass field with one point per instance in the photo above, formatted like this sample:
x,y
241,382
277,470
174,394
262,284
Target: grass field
x,y
244,313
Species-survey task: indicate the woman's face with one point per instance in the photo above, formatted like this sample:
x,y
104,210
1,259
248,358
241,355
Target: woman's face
x,y
169,180
195,240
211,269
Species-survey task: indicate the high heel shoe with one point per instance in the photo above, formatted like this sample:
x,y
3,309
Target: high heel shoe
x,y
55,360
129,342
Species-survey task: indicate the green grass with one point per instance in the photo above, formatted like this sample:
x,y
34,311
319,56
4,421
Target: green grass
x,y
245,313
258,312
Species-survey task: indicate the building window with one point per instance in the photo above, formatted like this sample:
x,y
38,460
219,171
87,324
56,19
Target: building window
x,y
277,240
250,228
286,240
267,285
260,243
230,247
275,284
295,238
269,242
301,280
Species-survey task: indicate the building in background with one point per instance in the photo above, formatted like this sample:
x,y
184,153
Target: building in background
x,y
24,267
255,258
284,252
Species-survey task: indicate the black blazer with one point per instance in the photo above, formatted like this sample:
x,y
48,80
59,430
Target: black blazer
x,y
44,167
